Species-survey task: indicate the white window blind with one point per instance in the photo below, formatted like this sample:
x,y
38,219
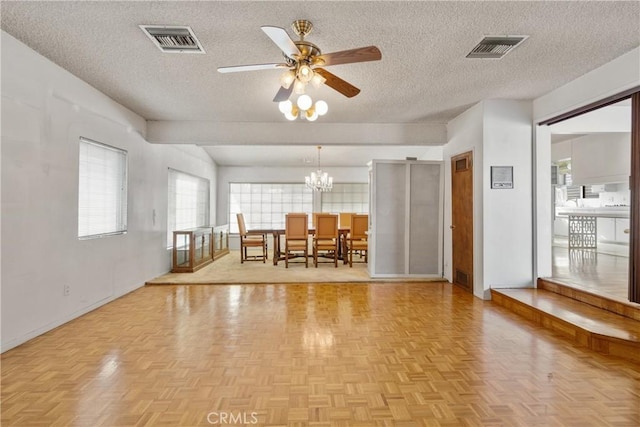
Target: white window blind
x,y
188,202
264,205
347,198
102,192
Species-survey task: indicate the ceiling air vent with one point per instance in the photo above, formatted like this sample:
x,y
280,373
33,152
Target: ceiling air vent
x,y
495,47
173,39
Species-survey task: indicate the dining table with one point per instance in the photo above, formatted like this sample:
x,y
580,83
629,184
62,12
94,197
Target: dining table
x,y
277,232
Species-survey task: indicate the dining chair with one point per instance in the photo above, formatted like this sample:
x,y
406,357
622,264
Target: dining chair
x,y
296,237
326,237
357,240
249,240
314,221
345,219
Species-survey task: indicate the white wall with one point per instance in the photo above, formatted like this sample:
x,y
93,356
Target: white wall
x,y
44,111
611,78
561,150
621,74
465,133
507,213
499,133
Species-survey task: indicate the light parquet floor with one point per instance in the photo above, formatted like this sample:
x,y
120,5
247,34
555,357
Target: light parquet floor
x,y
379,354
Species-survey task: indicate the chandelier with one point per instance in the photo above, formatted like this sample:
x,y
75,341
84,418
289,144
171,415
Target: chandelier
x,y
318,180
303,108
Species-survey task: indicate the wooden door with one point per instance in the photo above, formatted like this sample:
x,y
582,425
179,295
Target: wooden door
x,y
462,220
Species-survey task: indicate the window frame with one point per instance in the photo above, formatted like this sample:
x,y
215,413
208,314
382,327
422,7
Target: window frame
x,y
121,219
172,215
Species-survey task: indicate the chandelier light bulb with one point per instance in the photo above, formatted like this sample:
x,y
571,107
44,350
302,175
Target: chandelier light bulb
x,y
285,106
289,116
321,108
305,73
304,102
317,80
311,114
287,78
298,87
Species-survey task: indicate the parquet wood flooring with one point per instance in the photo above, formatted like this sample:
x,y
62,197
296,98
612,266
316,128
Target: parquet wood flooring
x,y
588,325
379,354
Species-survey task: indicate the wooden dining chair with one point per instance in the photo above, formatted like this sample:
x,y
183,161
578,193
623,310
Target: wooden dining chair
x,y
326,237
345,219
357,240
296,237
314,221
248,240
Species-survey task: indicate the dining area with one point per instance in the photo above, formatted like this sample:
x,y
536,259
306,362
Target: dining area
x,y
330,238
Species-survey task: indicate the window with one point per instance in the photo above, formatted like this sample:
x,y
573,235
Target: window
x,y
346,198
102,190
265,205
188,202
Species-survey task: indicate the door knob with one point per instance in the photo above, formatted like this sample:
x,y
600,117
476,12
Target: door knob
x,y
452,227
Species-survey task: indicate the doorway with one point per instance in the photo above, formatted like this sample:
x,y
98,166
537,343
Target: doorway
x,y
462,220
633,231
590,156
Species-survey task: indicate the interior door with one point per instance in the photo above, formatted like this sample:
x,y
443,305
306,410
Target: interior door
x,y
462,220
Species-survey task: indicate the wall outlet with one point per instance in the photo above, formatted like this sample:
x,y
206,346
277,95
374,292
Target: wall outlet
x,y
67,290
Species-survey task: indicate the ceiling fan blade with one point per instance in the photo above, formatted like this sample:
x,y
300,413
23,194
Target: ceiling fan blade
x,y
252,67
283,94
336,83
282,39
361,54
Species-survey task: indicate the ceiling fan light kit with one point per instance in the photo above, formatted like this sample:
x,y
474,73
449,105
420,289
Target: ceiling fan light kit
x,y
303,108
304,62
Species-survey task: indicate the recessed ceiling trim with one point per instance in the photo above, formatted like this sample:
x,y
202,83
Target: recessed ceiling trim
x,y
495,47
173,39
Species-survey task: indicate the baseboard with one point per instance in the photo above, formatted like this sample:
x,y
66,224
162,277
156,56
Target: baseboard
x,y
13,343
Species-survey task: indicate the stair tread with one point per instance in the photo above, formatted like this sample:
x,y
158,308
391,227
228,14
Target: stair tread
x,y
593,319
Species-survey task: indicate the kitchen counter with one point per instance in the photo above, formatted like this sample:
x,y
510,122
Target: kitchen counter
x,y
600,212
583,223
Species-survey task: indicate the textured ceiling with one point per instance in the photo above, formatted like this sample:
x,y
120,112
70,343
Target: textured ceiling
x,y
423,76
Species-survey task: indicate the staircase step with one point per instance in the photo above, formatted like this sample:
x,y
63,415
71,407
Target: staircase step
x,y
590,296
585,324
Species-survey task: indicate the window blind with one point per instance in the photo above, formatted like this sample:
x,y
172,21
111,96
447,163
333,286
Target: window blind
x,y
188,202
102,190
264,205
346,198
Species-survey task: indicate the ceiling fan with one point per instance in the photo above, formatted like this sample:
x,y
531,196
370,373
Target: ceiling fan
x,y
304,62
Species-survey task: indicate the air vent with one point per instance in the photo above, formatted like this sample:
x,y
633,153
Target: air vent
x,y
495,47
172,39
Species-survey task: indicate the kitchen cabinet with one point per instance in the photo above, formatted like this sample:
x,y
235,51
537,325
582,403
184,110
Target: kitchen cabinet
x,y
611,230
606,229
561,226
622,224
